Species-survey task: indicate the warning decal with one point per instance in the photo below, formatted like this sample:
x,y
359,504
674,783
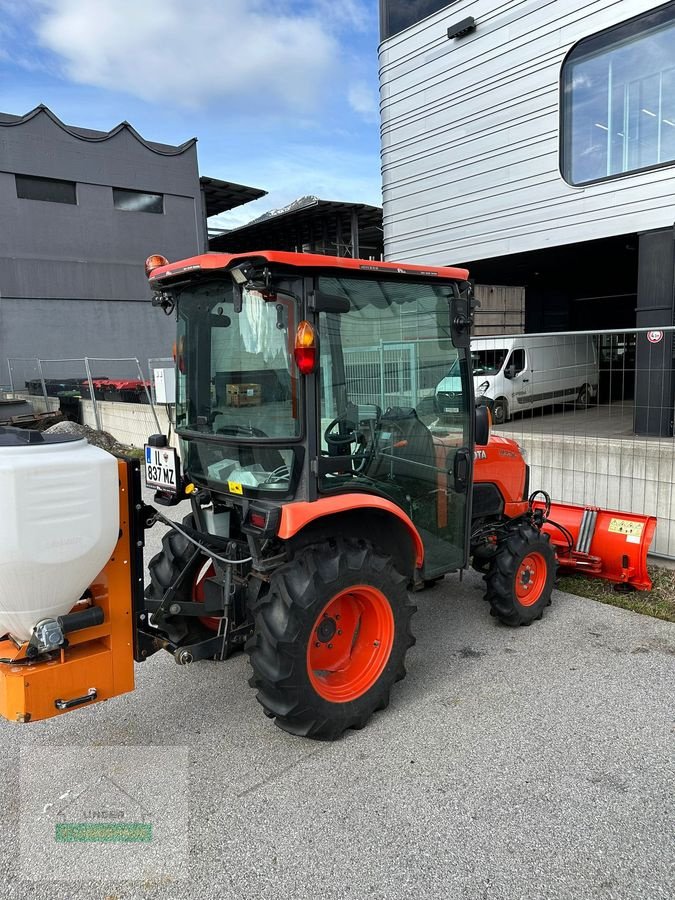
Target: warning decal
x,y
627,527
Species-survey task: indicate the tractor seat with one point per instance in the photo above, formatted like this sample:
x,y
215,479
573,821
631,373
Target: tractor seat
x,y
404,449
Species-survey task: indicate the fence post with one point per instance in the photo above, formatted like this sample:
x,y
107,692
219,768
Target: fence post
x,y
44,386
382,379
147,394
11,376
91,394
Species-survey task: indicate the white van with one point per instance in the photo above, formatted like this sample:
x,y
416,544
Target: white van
x,y
521,373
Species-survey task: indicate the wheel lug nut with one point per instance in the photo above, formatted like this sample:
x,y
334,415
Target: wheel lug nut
x,y
376,643
317,644
330,646
339,631
337,616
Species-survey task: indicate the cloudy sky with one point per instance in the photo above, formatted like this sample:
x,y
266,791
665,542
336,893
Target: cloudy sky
x,y
282,94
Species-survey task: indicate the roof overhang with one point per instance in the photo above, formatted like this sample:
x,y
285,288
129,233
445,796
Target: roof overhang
x,y
220,196
296,225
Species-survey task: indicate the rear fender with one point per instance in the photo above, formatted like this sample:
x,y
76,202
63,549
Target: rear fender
x,y
358,516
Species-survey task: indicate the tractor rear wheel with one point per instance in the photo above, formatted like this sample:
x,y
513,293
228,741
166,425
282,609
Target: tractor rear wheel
x,y
330,639
165,567
521,576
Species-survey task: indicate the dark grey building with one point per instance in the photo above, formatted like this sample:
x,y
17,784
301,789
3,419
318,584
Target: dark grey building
x,y
80,210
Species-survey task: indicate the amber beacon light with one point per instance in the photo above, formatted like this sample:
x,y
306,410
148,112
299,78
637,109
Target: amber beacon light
x,y
154,262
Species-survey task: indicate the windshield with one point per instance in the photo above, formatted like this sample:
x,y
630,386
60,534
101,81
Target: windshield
x,y
236,373
488,362
483,362
236,379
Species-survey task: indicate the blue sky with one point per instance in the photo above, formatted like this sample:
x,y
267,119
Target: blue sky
x,y
281,94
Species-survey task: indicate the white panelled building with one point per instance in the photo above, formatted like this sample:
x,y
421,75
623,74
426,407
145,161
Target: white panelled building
x,y
534,142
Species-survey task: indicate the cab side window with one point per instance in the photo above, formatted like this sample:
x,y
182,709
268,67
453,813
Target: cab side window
x,y
516,362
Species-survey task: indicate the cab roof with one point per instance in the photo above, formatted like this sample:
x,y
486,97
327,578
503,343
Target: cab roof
x,y
224,261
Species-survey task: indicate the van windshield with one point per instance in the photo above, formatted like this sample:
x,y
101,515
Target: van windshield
x,y
483,362
488,362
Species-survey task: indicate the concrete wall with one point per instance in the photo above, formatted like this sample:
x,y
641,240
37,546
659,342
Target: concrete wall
x,y
613,473
631,475
470,132
130,423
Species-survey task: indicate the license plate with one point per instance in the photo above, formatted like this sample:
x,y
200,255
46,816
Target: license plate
x,y
161,469
454,409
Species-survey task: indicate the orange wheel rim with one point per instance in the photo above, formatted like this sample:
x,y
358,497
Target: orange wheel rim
x,y
531,579
198,592
350,643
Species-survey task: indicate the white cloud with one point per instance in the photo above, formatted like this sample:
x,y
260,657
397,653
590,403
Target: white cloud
x,y
363,100
347,13
193,52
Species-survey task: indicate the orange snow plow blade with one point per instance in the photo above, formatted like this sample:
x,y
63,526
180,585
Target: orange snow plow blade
x,y
601,543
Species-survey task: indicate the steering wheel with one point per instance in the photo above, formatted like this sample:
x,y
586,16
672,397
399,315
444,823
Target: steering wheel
x,y
339,445
339,442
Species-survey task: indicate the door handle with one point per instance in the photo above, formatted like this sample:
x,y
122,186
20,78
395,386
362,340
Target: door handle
x,y
525,379
461,469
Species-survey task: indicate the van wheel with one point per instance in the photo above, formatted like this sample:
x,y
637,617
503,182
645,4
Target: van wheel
x,y
500,411
584,397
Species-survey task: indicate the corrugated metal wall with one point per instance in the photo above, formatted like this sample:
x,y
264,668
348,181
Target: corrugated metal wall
x,y
501,310
72,279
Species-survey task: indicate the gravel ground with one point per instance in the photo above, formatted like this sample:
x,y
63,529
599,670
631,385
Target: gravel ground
x,y
530,763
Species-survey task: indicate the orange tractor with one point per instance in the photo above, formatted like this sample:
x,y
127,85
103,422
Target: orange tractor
x,y
324,486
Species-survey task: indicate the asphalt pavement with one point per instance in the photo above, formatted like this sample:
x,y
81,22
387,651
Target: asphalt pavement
x,y
529,763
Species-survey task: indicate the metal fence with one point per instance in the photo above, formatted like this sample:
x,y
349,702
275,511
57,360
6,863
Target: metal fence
x,y
593,412
384,375
98,388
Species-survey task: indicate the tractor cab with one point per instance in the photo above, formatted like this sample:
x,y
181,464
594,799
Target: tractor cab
x,y
306,388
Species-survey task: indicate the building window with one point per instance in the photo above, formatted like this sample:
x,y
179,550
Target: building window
x,y
395,15
52,190
137,201
618,99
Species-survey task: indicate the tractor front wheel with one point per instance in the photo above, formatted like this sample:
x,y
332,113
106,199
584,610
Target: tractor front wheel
x,y
330,639
521,576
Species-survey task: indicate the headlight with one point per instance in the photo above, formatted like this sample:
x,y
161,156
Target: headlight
x,y
480,390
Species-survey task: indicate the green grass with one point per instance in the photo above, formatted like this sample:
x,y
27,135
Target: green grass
x,y
659,602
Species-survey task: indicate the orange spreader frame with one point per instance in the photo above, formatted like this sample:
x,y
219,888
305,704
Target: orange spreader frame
x,y
100,657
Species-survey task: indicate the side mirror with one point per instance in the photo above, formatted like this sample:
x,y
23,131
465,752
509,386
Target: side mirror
x,y
482,425
510,372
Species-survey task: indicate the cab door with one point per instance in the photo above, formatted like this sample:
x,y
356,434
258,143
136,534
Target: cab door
x,y
390,440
